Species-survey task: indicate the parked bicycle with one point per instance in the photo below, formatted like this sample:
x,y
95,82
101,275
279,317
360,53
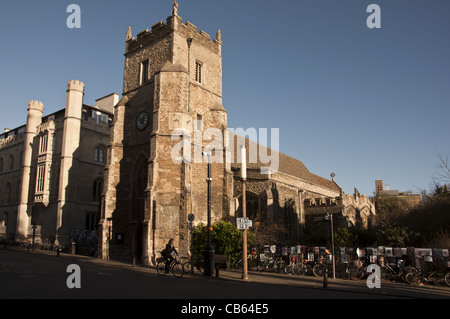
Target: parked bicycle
x,y
176,267
398,271
252,263
277,265
305,268
197,264
433,277
289,269
356,270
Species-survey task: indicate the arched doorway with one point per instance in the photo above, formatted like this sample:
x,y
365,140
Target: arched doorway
x,y
252,206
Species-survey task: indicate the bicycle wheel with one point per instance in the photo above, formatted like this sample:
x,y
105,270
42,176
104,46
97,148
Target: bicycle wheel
x,y
161,268
187,267
299,269
262,266
318,270
439,279
280,266
447,279
178,270
413,278
289,270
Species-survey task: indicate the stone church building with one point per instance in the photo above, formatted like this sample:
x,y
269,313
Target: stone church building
x,y
172,91
172,94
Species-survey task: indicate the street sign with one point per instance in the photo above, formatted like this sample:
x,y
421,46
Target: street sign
x,y
243,223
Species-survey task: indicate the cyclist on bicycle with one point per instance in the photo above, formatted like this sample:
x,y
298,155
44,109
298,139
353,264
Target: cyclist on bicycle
x,y
167,254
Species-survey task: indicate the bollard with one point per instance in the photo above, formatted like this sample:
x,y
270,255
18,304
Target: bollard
x,y
325,278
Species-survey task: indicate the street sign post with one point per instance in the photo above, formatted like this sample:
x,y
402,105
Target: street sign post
x,y
243,223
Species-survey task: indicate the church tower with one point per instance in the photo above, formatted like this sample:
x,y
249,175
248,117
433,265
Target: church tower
x,y
155,175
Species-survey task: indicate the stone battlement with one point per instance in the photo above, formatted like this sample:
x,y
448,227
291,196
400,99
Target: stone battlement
x,y
36,105
75,85
161,29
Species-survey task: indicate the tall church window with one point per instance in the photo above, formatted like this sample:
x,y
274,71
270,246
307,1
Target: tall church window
x,y
198,72
91,221
144,71
1,165
40,179
99,154
43,143
252,206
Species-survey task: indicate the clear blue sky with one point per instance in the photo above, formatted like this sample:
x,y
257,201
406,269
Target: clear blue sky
x,y
363,103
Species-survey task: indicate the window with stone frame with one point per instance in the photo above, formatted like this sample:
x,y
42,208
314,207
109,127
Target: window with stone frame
x,y
100,154
199,72
91,221
40,179
144,72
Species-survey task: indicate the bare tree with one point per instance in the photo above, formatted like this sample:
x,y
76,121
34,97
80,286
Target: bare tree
x,y
443,169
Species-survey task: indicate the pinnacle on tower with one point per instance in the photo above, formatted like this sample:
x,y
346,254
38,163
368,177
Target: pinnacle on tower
x,y
219,35
129,34
175,8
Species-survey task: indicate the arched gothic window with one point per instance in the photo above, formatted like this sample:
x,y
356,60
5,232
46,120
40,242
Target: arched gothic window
x,y
100,154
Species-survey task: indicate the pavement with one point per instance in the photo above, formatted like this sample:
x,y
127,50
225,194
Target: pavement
x,y
358,287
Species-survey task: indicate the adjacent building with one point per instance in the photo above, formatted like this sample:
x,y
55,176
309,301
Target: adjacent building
x,y
51,169
407,196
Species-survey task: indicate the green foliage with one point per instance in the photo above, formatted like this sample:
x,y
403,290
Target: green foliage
x,y
225,238
399,224
345,237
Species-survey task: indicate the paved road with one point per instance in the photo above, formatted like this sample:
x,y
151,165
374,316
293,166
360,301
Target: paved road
x,y
43,275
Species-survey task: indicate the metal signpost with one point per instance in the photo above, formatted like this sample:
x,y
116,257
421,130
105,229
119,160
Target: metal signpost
x,y
244,212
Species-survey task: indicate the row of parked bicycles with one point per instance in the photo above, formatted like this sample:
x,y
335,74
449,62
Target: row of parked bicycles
x,y
393,270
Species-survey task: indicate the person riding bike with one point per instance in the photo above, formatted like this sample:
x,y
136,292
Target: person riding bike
x,y
167,254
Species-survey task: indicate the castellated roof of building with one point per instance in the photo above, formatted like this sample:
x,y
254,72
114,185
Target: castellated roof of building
x,y
287,164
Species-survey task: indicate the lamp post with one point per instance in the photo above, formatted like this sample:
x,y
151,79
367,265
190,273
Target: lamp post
x,y
208,252
244,212
330,218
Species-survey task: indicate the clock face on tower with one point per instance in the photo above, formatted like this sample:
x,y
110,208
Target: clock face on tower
x,y
142,120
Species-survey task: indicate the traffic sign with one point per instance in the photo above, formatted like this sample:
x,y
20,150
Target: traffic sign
x,y
243,223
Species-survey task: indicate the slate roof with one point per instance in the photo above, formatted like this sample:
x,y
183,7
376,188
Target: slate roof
x,y
287,165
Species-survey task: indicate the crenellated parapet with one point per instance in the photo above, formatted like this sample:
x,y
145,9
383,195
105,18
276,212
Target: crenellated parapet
x,y
35,105
174,23
74,85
